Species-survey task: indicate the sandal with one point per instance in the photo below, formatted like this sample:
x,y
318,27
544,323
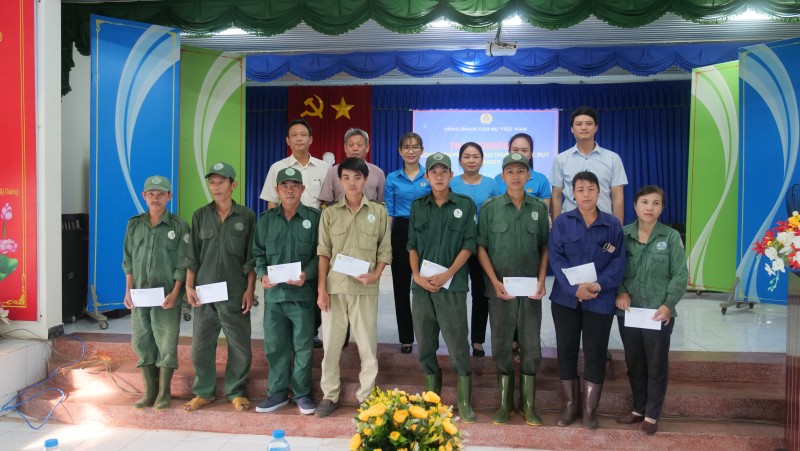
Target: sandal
x,y
197,403
405,349
240,403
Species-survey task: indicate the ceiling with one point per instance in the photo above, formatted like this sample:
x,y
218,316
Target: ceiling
x,y
669,29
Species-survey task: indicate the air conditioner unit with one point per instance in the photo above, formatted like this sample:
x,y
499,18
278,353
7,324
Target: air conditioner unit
x,y
499,48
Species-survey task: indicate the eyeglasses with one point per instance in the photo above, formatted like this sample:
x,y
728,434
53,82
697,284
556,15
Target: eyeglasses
x,y
409,149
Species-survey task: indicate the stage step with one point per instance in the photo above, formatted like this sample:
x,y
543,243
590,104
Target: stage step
x,y
114,410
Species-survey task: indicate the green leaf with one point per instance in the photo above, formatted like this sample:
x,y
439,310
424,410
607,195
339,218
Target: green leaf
x,y
7,266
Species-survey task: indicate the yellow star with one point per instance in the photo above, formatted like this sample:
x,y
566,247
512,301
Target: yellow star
x,y
342,109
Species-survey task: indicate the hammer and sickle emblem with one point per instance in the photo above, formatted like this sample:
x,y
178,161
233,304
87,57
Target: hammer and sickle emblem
x,y
316,109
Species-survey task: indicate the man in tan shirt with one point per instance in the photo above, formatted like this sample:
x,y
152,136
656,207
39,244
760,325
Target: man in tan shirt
x,y
356,144
353,227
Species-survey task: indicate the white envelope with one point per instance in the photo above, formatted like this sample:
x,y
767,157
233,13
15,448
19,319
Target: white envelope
x,y
428,269
212,292
350,266
520,286
581,274
641,318
284,273
147,297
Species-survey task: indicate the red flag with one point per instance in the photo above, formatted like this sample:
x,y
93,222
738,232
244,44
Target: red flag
x,y
331,111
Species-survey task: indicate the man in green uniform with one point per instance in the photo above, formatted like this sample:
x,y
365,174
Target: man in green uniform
x,y
154,256
353,232
441,232
288,234
512,242
221,250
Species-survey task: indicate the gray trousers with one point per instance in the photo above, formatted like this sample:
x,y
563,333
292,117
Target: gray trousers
x,y
446,312
524,315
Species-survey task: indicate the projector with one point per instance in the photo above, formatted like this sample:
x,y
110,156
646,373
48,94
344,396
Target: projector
x,y
499,48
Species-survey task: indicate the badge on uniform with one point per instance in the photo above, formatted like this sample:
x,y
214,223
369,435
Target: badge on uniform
x,y
171,235
306,223
530,190
239,226
661,245
458,213
535,215
370,218
421,183
186,238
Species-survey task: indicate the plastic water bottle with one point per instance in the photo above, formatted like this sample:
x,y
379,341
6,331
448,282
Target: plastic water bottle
x,y
51,444
278,442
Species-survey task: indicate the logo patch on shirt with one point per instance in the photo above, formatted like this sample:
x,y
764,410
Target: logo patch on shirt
x,y
421,183
458,213
239,226
535,215
289,171
370,218
530,190
307,224
661,245
171,235
186,238
218,166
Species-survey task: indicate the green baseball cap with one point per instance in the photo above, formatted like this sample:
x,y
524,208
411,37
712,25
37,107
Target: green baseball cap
x,y
290,175
516,158
223,169
157,183
437,158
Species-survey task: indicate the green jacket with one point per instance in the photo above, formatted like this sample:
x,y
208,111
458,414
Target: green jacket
x,y
656,273
222,251
513,238
156,256
278,241
438,234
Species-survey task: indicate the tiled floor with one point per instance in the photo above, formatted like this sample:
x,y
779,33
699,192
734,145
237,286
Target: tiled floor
x,y
700,326
15,435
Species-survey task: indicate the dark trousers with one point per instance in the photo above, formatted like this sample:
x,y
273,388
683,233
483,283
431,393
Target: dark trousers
x,y
401,281
444,312
570,325
523,315
647,357
480,303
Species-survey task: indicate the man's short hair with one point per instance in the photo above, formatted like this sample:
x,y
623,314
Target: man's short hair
x,y
356,131
353,164
583,111
302,122
586,176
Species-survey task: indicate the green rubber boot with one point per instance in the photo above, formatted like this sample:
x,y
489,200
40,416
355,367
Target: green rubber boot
x,y
464,390
150,376
433,382
164,388
527,399
505,387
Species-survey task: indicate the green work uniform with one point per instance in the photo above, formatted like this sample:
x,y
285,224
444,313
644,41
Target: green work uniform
x,y
439,234
221,252
156,257
663,259
288,309
514,239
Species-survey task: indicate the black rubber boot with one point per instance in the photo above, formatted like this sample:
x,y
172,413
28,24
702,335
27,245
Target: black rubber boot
x,y
464,390
505,387
150,376
571,391
527,399
164,388
591,398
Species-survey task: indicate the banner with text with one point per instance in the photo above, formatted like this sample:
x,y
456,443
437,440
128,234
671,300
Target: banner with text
x,y
446,130
769,176
134,134
713,197
212,123
18,271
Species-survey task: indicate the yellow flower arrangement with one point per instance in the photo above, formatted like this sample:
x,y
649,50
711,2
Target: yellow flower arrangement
x,y
395,420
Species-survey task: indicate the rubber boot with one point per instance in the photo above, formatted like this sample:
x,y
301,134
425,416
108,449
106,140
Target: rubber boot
x,y
150,376
591,398
571,391
164,388
464,391
433,382
527,399
505,386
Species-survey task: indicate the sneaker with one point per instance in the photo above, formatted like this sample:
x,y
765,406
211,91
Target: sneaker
x,y
272,403
305,404
325,408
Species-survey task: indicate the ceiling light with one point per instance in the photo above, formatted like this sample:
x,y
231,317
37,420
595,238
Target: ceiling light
x,y
750,15
513,20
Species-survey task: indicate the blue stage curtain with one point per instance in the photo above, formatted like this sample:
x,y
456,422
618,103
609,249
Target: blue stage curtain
x,y
265,139
642,60
647,124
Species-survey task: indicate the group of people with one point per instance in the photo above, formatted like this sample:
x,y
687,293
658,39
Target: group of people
x,y
440,234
